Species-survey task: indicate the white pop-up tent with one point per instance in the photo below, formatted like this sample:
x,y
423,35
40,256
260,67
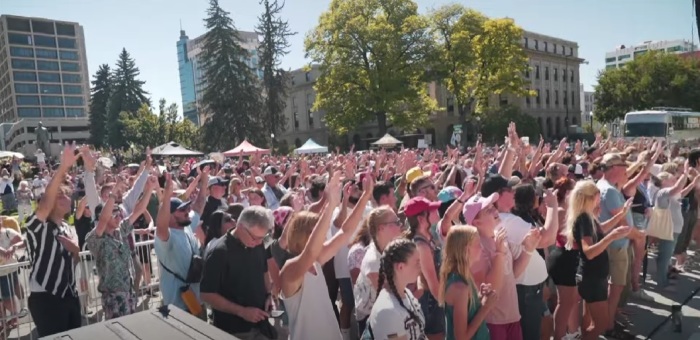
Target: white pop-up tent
x,y
387,141
311,147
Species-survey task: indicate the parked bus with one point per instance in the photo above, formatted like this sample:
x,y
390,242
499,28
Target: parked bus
x,y
673,124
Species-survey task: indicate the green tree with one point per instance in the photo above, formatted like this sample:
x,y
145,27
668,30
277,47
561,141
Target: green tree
x,y
145,128
275,45
231,97
99,98
127,95
372,58
477,57
652,79
495,122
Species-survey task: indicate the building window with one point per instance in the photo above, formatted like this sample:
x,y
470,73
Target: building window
x,y
54,112
23,64
68,55
44,65
51,100
572,75
67,43
72,89
75,112
31,112
311,119
556,74
537,99
527,72
48,54
556,98
566,102
307,75
49,77
563,74
562,50
450,106
65,29
26,88
573,99
296,120
24,76
610,60
571,51
537,45
42,40
74,101
21,51
620,58
16,24
554,48
546,97
27,100
72,67
537,71
546,48
45,27
546,73
19,39
527,101
637,53
526,42
50,89
71,78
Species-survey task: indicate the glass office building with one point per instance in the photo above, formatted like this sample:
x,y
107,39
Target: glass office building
x,y
43,76
192,82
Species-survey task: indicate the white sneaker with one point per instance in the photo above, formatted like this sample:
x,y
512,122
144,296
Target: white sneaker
x,y
572,336
642,295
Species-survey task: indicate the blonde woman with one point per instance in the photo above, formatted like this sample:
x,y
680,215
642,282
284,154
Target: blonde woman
x,y
465,312
584,230
301,278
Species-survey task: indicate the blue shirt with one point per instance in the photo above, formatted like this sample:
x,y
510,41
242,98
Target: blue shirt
x,y
612,199
176,254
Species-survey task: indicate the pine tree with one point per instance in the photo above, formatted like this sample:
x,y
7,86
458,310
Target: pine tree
x,y
127,96
231,99
274,46
101,88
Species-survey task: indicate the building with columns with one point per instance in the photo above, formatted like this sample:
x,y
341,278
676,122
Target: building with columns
x,y
553,75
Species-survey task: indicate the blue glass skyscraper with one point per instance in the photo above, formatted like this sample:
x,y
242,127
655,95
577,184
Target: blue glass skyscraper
x,y
187,81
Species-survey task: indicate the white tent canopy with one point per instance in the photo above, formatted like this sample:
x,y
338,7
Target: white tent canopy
x,y
174,149
387,141
311,147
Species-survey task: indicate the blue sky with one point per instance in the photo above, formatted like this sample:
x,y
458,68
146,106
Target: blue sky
x,y
149,29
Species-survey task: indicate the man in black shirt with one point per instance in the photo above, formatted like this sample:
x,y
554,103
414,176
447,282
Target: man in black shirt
x,y
235,281
215,200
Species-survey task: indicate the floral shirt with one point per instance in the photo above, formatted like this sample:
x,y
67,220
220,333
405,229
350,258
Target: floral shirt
x,y
355,256
115,266
24,197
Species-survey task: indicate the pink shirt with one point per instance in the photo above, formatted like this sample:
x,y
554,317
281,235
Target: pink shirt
x,y
506,310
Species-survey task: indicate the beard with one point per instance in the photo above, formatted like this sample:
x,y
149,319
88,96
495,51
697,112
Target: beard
x,y
184,222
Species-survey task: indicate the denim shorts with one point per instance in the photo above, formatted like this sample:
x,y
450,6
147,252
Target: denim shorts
x,y
434,314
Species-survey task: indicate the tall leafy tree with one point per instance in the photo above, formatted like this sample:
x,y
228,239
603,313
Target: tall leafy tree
x,y
99,99
127,95
477,57
231,99
146,128
275,45
372,56
653,79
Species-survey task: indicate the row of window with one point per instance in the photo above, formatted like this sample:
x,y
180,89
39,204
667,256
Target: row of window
x,y
556,98
547,49
546,74
45,65
41,40
35,112
49,100
48,89
40,26
48,77
16,51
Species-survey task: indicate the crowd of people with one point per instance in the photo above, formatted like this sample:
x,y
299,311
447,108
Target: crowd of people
x,y
490,242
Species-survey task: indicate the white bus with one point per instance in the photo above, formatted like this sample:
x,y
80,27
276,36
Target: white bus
x,y
673,124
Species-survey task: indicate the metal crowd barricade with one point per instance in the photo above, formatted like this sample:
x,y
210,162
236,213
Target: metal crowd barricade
x,y
15,276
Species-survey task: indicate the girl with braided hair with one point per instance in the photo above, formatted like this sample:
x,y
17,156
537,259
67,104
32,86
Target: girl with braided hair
x,y
396,313
465,306
384,226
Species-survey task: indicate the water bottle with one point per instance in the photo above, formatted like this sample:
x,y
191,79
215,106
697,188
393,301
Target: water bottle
x,y
677,318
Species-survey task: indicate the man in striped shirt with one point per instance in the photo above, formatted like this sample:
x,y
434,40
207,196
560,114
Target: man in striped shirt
x,y
53,251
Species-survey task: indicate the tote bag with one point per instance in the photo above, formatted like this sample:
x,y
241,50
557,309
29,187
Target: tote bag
x,y
661,224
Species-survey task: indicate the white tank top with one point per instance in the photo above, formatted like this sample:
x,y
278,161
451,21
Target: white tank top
x,y
310,313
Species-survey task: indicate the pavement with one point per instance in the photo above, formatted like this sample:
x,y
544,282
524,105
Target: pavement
x,y
647,316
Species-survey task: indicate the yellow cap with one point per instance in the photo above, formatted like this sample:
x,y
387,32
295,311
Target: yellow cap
x,y
413,173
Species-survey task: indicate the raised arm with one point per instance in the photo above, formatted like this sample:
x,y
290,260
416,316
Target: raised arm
x,y
131,197
294,269
142,203
105,216
200,201
163,218
68,158
91,194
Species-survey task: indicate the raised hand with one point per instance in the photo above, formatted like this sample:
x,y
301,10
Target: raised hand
x,y
500,239
550,198
88,159
332,191
368,182
68,157
628,204
532,239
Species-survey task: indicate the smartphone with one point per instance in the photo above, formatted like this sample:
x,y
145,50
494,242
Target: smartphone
x,y
276,313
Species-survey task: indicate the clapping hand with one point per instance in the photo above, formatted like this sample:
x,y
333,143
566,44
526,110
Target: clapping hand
x,y
332,191
550,198
488,296
532,239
